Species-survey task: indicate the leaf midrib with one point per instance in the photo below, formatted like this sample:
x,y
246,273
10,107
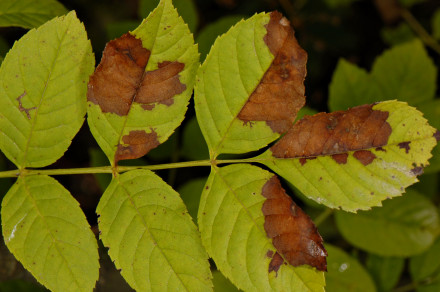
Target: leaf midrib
x,y
34,120
54,239
139,214
292,268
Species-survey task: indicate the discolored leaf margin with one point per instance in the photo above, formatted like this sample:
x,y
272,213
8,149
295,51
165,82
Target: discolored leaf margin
x,y
355,159
293,233
139,93
231,222
120,80
280,94
245,101
335,134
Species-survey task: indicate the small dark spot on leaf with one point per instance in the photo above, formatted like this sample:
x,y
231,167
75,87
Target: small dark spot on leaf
x,y
269,254
404,145
320,178
207,188
437,135
380,149
418,170
372,193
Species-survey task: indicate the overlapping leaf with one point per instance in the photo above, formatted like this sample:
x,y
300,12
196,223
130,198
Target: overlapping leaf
x,y
42,92
139,93
45,229
151,236
404,72
250,86
404,226
29,13
357,158
345,273
246,230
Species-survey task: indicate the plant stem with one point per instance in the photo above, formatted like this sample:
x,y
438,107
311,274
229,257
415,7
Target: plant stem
x,y
323,216
120,169
420,30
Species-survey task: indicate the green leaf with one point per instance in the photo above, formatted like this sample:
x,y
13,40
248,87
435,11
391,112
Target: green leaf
x,y
345,273
29,13
42,89
190,193
351,86
167,38
194,146
210,32
116,29
221,283
352,184
426,267
404,72
45,229
431,110
186,9
385,271
397,35
404,226
243,98
231,223
151,236
436,24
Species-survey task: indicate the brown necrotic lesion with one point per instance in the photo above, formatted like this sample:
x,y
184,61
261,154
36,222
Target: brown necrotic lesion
x,y
121,80
293,233
357,129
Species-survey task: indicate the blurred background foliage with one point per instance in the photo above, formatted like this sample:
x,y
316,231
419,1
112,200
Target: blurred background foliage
x,y
393,248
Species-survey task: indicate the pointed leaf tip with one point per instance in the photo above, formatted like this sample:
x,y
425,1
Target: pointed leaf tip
x,y
280,94
251,85
354,159
293,233
140,91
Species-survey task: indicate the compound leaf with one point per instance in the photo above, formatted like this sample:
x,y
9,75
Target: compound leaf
x,y
250,87
403,227
354,159
250,227
42,89
151,236
45,229
29,13
345,273
140,91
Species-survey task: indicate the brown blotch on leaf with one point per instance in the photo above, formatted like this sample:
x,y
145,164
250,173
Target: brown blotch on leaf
x,y
120,79
333,133
280,94
404,145
293,233
138,144
275,263
364,156
340,158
